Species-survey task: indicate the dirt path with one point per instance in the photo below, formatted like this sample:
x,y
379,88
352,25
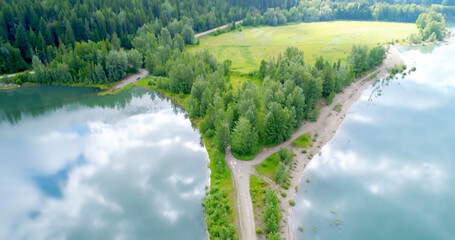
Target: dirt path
x,y
214,29
326,126
242,199
131,78
14,74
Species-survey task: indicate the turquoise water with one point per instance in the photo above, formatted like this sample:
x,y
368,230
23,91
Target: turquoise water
x,y
77,166
388,172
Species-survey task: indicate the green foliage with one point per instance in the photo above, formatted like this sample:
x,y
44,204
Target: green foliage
x,y
280,172
116,65
258,189
134,60
272,214
125,88
363,59
244,137
222,136
292,202
302,141
269,166
338,107
216,208
431,26
188,34
181,78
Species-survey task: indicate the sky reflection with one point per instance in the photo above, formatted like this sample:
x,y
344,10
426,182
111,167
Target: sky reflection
x,y
387,174
79,172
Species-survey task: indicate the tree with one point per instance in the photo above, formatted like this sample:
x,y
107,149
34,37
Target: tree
x,y
429,23
280,173
22,42
134,60
100,75
222,135
40,75
274,236
263,69
62,74
115,42
244,137
359,59
165,37
188,34
179,43
69,37
181,78
116,65
257,19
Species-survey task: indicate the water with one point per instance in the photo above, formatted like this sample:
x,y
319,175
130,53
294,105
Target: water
x,y
388,172
77,166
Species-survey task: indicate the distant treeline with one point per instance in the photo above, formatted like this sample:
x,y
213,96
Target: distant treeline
x,y
43,28
312,11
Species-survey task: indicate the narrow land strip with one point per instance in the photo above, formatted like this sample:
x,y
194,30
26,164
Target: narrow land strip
x,y
325,126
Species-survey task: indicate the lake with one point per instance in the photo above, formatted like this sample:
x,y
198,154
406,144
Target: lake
x,y
75,165
388,172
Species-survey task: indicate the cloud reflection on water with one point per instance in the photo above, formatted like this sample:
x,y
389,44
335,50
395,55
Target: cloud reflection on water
x,y
121,190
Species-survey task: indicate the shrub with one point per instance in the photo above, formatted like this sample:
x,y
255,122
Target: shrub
x,y
292,202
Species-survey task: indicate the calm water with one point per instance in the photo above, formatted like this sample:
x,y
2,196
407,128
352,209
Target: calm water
x,y
77,166
389,171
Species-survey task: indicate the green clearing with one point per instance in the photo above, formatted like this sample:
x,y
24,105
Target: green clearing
x,y
333,40
268,166
258,188
303,141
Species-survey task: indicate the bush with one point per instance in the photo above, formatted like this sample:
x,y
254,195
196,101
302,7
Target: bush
x,y
292,202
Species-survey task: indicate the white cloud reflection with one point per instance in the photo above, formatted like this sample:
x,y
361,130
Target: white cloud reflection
x,y
381,175
119,188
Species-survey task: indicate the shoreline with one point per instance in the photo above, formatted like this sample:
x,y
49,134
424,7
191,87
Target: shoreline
x,y
326,126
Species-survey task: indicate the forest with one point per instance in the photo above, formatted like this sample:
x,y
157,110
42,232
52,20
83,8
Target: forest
x,y
100,41
75,38
51,29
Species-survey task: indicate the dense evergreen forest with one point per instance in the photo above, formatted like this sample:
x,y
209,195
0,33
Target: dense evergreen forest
x,y
52,29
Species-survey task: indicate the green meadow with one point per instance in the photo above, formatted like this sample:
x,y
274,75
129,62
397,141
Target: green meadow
x,y
333,40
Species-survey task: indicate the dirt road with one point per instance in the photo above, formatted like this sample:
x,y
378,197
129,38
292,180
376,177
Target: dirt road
x,y
326,126
14,74
214,29
131,78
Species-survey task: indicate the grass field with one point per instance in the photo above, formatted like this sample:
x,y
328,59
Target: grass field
x,y
268,166
303,141
332,40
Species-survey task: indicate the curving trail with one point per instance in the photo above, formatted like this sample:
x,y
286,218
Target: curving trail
x,y
325,126
214,29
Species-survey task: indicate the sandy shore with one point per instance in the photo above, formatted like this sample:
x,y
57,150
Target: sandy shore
x,y
326,126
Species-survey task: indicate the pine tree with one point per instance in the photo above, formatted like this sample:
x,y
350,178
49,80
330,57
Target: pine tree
x,y
100,75
23,43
